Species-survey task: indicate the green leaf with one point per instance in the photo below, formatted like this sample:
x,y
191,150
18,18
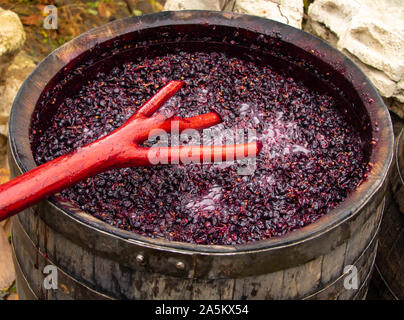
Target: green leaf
x,y
136,12
92,12
93,5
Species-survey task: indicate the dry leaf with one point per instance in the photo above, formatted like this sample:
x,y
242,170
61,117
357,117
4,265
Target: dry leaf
x,y
4,175
103,10
32,20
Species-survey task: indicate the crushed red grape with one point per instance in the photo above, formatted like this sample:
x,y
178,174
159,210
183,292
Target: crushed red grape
x,y
311,159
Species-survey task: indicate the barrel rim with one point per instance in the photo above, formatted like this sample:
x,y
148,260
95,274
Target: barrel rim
x,y
400,159
381,155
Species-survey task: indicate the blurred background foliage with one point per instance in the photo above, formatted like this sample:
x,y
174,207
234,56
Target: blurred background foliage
x,y
74,18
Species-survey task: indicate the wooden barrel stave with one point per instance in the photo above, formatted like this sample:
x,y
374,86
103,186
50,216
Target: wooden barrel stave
x,y
87,275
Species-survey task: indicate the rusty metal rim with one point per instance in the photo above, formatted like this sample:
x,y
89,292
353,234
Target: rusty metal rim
x,y
381,155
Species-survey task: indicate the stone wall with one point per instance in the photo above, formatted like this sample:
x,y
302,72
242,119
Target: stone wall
x,y
12,38
285,11
13,69
371,33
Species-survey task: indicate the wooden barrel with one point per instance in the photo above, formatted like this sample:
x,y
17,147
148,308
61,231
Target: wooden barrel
x,y
389,276
94,260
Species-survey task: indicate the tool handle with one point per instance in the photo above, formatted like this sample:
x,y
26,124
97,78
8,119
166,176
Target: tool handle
x,y
100,155
49,178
